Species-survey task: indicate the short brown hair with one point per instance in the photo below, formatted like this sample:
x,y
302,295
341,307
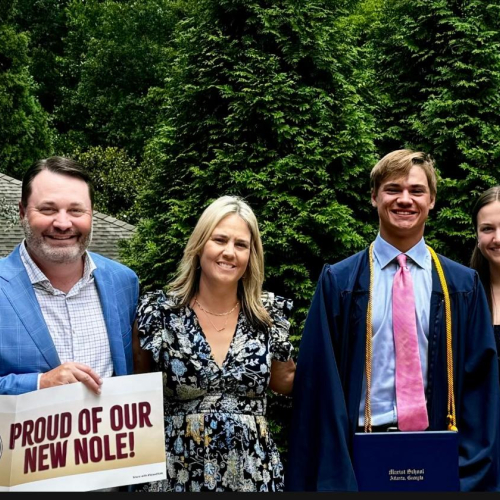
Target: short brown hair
x,y
399,163
57,165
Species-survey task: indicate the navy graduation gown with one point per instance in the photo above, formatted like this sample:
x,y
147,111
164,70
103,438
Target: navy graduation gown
x,y
330,370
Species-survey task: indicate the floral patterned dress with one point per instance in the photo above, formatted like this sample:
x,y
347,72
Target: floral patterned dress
x,y
216,432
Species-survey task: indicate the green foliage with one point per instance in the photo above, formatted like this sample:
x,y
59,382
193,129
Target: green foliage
x,y
23,125
116,178
115,52
264,101
439,69
45,22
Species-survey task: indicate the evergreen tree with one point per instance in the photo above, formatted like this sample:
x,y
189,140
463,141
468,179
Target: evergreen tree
x,y
264,101
439,72
23,124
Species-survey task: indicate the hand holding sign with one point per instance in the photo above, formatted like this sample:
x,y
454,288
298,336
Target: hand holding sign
x,y
69,373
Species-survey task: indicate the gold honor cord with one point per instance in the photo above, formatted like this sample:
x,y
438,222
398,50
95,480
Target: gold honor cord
x,y
368,355
452,422
452,419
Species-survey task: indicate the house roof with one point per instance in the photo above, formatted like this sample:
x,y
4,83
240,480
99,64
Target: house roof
x,y
107,230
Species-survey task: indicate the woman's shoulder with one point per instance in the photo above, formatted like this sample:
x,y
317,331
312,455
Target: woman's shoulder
x,y
157,302
276,305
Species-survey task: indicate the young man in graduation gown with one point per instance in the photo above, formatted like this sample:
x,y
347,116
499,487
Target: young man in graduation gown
x,y
330,383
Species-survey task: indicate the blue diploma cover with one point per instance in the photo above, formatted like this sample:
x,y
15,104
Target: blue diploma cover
x,y
406,461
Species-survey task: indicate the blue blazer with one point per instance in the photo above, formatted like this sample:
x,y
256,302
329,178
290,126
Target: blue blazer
x,y
26,347
330,367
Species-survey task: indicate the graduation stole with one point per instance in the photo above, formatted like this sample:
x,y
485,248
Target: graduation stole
x,y
452,423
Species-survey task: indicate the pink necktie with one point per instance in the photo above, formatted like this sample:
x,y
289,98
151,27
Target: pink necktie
x,y
410,397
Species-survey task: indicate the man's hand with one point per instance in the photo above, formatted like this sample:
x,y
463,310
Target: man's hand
x,y
69,373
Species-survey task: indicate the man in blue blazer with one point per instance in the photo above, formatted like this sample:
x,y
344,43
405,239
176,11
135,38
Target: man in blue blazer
x,y
342,346
66,314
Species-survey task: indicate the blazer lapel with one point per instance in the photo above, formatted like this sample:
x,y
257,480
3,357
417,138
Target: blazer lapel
x,y
21,295
111,318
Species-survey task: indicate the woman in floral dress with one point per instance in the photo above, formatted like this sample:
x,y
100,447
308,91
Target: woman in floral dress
x,y
220,343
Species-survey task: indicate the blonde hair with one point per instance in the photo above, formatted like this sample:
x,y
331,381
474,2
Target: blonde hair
x,y
399,163
185,284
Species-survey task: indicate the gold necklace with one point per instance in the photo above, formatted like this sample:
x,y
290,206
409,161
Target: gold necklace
x,y
216,314
218,329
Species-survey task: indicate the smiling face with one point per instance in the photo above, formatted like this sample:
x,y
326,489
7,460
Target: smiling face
x,y
403,205
57,220
488,232
225,255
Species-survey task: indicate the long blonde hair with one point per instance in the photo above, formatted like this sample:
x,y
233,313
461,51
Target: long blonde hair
x,y
185,284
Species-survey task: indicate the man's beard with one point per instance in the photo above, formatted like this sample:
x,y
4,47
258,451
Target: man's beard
x,y
57,255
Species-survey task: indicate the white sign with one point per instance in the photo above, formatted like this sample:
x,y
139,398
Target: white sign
x,y
68,438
